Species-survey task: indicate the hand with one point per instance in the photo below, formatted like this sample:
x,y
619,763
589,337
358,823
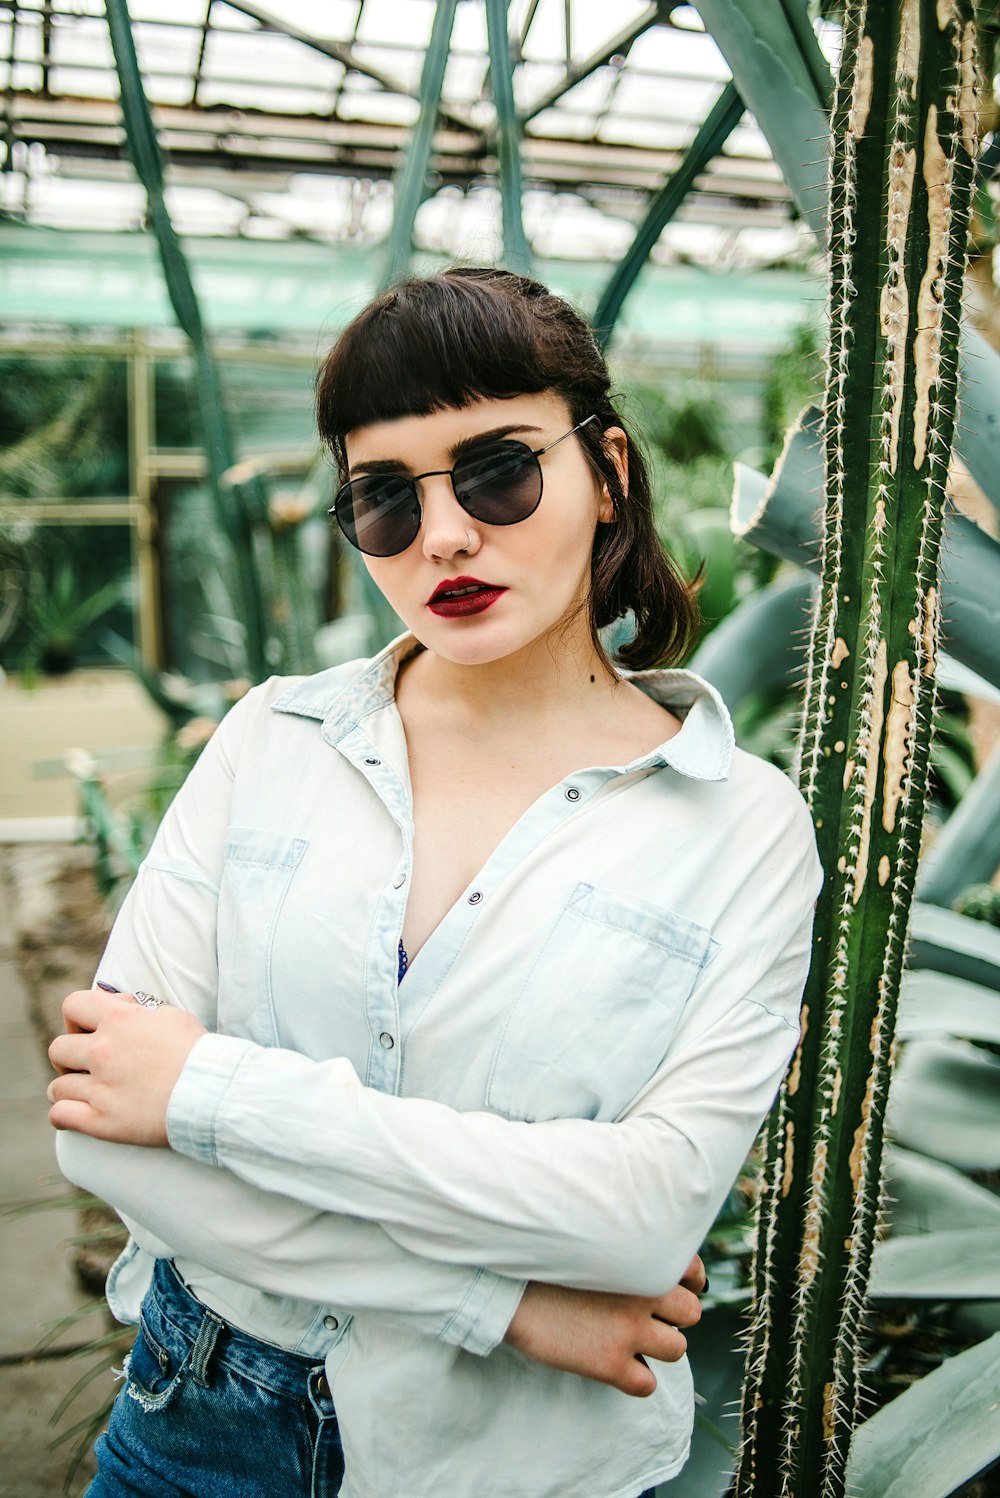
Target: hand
x,y
604,1336
117,1065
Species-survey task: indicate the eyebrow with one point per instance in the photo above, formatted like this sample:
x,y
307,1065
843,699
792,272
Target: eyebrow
x,y
466,445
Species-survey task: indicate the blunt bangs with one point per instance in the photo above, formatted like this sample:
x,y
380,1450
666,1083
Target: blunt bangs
x,y
437,344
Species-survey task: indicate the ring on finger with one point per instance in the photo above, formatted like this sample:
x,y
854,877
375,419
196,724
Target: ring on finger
x,y
147,1000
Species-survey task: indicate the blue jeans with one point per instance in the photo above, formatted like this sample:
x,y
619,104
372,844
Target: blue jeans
x,y
208,1411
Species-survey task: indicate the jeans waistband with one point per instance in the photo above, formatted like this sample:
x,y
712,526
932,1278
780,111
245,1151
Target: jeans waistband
x,y
170,1310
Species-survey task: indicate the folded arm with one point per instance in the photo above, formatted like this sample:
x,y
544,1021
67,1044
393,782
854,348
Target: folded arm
x,y
607,1207
173,1205
600,1206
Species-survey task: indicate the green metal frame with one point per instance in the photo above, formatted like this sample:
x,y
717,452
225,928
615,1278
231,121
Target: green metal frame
x,y
516,254
410,186
716,130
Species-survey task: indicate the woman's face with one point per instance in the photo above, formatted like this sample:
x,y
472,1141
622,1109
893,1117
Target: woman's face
x,y
536,572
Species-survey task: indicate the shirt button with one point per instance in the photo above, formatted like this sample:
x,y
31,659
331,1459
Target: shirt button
x,y
371,760
331,1323
399,881
475,897
386,1039
572,794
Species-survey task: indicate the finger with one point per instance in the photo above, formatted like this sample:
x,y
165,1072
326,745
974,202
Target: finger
x,y
665,1343
70,1052
637,1379
694,1277
679,1308
72,1114
76,1086
84,1008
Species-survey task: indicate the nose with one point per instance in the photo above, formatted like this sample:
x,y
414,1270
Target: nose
x,y
446,530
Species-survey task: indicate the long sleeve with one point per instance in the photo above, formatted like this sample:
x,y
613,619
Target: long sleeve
x,y
164,940
610,1206
173,1205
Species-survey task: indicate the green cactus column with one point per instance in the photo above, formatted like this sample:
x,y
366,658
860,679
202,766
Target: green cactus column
x,y
903,123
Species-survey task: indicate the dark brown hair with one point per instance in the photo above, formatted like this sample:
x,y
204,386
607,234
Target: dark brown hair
x,y
448,340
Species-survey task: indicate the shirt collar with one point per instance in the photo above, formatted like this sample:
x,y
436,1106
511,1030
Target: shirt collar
x,y
701,749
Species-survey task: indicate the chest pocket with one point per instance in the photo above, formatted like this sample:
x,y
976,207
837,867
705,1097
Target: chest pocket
x,y
258,871
598,1008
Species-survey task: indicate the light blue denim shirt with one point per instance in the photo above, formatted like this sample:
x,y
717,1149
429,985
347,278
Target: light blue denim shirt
x,y
562,1088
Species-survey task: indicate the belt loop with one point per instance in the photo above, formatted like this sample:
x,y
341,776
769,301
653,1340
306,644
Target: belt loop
x,y
204,1346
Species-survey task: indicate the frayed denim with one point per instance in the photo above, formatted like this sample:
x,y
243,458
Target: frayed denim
x,y
208,1411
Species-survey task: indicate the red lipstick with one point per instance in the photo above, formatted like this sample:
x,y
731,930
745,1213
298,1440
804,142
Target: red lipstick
x,y
458,597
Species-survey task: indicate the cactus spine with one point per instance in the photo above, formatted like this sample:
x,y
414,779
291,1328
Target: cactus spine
x,y
902,149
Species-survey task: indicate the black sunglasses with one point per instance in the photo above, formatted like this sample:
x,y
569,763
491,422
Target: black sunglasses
x,y
499,484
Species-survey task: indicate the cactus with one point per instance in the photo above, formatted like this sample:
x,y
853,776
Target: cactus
x,y
902,148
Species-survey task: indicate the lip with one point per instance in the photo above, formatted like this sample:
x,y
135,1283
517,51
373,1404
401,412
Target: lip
x,y
467,603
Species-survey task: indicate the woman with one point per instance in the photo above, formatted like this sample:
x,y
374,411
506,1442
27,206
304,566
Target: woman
x,y
481,965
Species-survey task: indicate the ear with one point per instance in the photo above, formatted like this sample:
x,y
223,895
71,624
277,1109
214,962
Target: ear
x,y
616,446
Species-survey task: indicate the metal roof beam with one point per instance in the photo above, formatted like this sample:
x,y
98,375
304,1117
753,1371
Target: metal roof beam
x,y
342,53
516,254
721,122
410,181
205,27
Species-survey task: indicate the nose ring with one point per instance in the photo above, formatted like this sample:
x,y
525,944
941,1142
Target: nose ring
x,y
468,541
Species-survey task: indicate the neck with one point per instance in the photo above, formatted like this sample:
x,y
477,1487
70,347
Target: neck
x,y
556,675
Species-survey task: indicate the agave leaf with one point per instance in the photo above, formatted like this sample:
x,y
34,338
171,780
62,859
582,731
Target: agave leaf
x,y
935,1004
945,1102
925,1196
761,644
784,79
950,943
967,849
938,1435
955,677
782,515
959,1265
975,1319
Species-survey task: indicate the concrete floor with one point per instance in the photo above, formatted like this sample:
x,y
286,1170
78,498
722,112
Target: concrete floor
x,y
37,1283
103,712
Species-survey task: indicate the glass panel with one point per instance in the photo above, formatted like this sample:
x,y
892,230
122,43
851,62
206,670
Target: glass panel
x,y
201,637
269,406
63,587
389,22
67,423
176,423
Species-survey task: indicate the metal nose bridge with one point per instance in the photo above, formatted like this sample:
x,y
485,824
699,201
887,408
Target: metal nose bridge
x,y
434,473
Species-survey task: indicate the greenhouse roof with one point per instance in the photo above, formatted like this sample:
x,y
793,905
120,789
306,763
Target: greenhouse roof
x,y
289,120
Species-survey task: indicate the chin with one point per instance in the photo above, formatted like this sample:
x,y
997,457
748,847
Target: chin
x,y
481,642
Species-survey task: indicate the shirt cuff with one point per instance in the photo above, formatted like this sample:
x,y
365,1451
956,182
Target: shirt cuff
x,y
481,1321
199,1092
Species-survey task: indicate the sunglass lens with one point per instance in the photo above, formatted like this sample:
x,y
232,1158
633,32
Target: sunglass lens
x,y
500,486
380,516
